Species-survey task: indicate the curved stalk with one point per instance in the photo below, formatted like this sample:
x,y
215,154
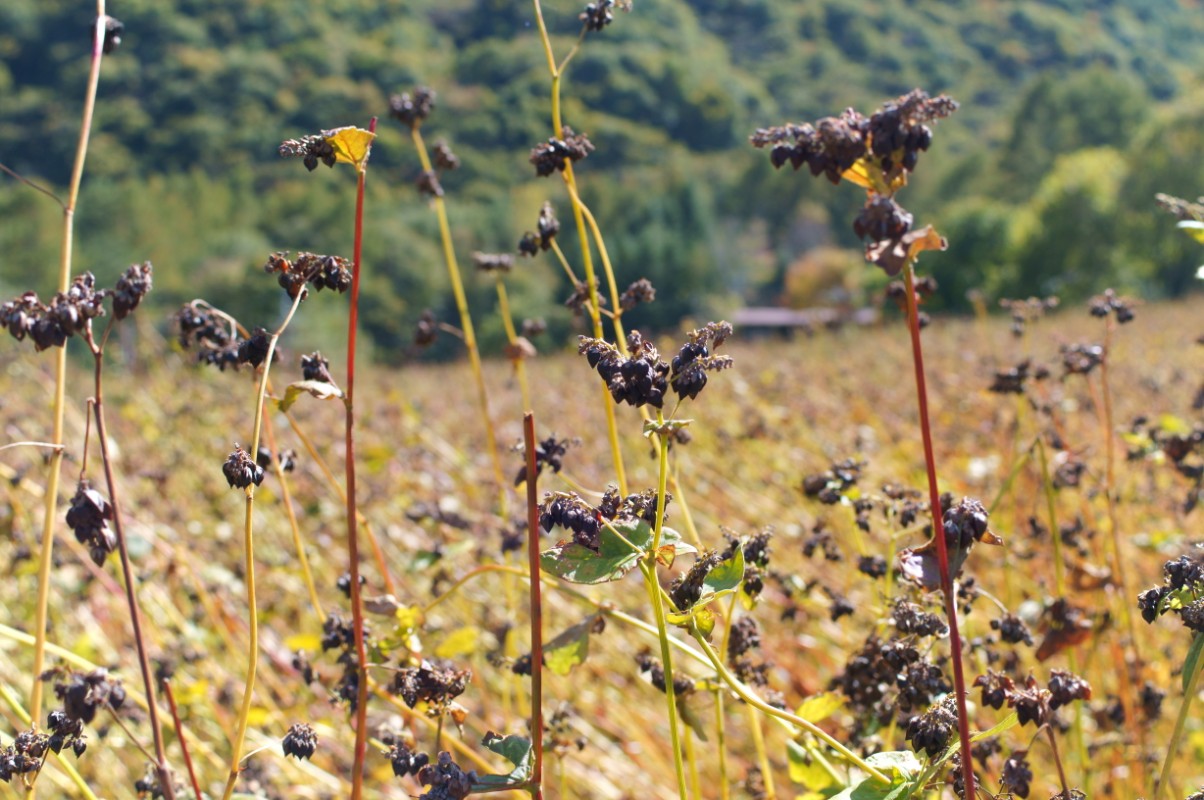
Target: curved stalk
x,y
519,361
60,370
249,564
286,499
1193,684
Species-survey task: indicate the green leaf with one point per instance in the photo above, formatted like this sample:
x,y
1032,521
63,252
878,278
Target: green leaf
x,y
614,559
1004,724
515,749
819,707
319,389
570,648
724,578
1193,229
1192,662
900,762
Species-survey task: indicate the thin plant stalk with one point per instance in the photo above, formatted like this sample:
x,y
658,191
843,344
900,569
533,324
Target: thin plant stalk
x,y
286,499
692,762
754,725
60,369
357,604
148,683
938,527
536,781
1053,746
587,259
470,337
721,745
249,564
179,726
1189,694
85,791
520,362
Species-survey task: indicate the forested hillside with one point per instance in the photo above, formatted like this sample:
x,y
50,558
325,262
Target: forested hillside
x,y
1074,114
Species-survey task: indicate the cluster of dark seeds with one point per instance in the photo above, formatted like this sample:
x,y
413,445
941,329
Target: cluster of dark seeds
x,y
410,109
641,291
428,183
1026,311
211,335
745,636
114,28
338,633
404,760
131,287
597,15
314,367
446,779
569,511
1017,777
872,673
493,262
560,734
896,291
1012,629
1109,303
554,154
52,324
1081,359
83,693
548,226
301,741
911,618
1031,702
756,559
550,452
821,540
445,159
288,459
829,485
241,470
88,518
639,379
687,587
254,351
24,756
1012,380
66,731
580,298
932,730
343,584
893,136
1183,580
688,369
310,149
318,271
682,685
433,681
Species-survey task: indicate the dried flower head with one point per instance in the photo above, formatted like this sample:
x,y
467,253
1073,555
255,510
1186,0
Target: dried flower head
x,y
410,109
555,153
131,287
88,517
241,470
301,741
310,149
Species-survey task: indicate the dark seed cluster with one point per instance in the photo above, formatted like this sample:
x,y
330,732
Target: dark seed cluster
x,y
682,685
84,693
319,271
892,137
66,731
404,760
411,108
548,226
241,470
301,741
641,291
114,28
638,379
550,453
756,559
434,681
1110,303
932,730
911,618
213,337
25,755
1017,777
1081,359
569,511
310,149
52,324
1025,311
828,486
1012,380
1183,581
428,183
316,368
599,14
446,779
687,587
88,518
445,159
554,154
131,287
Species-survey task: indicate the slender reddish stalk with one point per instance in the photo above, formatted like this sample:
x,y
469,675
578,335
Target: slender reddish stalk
x,y
536,608
938,529
161,769
175,718
357,608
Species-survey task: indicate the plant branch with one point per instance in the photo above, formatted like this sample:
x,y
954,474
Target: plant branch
x,y
175,718
536,607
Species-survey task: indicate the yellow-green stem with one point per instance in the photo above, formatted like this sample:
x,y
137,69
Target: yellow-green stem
x,y
692,761
60,371
516,357
286,500
249,564
754,725
662,634
470,337
721,745
1189,695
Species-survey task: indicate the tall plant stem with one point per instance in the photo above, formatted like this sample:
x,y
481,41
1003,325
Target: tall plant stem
x,y
587,259
721,745
938,527
648,566
1189,694
148,683
244,712
520,362
60,369
175,718
357,603
754,725
286,499
470,337
536,607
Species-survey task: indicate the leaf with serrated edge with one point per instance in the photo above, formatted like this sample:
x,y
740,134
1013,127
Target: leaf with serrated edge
x,y
515,749
614,559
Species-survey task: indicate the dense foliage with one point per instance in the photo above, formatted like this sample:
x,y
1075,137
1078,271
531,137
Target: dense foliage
x,y
1074,115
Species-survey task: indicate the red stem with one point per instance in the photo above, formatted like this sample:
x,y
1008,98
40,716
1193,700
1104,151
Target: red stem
x,y
175,718
102,435
536,607
357,609
938,528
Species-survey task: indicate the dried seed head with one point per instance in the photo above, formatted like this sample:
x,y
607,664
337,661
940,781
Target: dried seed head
x,y
88,517
240,470
310,149
553,154
300,742
411,109
131,287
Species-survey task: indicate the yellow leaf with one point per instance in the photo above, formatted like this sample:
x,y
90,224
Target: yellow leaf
x,y
461,642
1193,229
820,706
257,715
190,693
409,617
303,641
351,145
